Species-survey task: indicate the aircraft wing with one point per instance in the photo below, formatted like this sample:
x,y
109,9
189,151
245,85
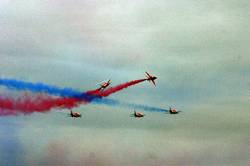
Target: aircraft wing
x,y
153,82
148,74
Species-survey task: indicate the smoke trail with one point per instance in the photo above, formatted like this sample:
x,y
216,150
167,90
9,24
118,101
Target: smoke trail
x,y
39,87
49,89
42,103
112,102
117,88
64,92
28,104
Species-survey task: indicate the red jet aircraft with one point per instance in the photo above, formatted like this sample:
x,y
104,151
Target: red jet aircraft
x,y
138,114
104,85
151,78
173,111
75,114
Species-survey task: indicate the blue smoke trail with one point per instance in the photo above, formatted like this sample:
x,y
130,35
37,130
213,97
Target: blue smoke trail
x,y
112,102
40,87
69,92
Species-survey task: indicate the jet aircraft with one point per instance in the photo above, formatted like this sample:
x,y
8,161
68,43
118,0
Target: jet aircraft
x,y
75,114
105,84
138,114
173,111
151,78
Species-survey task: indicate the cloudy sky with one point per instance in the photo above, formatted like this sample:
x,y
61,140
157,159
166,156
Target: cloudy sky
x,y
198,50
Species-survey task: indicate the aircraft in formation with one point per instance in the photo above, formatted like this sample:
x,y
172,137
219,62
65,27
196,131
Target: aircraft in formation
x,y
135,114
140,115
105,84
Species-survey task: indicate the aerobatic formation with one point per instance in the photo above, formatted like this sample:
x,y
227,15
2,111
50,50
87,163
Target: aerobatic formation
x,y
39,97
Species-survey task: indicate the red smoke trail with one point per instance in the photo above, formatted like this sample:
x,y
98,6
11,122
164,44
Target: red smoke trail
x,y
93,92
117,88
98,92
29,104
